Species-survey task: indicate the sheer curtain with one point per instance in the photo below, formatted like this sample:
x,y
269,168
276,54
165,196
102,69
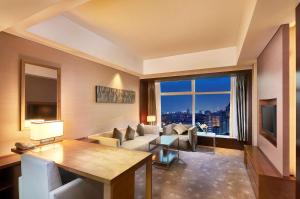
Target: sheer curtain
x,y
233,109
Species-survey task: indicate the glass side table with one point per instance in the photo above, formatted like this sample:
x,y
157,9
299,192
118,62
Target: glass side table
x,y
209,135
165,156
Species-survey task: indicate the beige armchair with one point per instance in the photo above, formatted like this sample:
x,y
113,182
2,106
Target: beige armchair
x,y
187,140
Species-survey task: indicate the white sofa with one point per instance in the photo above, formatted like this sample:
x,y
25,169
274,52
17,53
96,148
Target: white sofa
x,y
138,143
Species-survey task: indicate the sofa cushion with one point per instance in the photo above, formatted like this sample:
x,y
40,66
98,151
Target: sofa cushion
x,y
168,129
140,142
130,133
117,134
140,129
151,129
180,129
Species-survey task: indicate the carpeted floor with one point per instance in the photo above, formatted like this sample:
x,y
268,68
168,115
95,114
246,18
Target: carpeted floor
x,y
202,174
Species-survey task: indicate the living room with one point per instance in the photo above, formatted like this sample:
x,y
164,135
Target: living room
x,y
149,99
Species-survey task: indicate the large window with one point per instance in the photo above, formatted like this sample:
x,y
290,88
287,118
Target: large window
x,y
205,100
176,109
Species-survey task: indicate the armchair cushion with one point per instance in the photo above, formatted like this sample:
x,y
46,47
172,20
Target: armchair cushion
x,y
180,129
168,129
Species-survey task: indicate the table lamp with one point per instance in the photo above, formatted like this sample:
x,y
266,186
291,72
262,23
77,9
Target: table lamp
x,y
151,119
46,131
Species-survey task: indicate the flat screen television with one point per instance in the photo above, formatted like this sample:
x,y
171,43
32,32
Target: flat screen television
x,y
269,121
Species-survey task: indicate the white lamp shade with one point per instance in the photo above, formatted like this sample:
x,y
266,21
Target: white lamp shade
x,y
27,123
151,118
46,130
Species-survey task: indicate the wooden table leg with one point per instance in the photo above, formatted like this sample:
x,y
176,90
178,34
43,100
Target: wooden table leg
x,y
149,178
107,191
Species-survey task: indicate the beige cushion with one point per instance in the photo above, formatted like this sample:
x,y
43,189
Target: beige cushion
x,y
151,129
140,129
130,133
117,134
180,129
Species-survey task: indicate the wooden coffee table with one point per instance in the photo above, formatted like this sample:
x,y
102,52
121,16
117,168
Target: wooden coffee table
x,y
165,155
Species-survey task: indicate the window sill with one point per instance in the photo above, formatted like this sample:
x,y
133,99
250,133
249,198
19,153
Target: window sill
x,y
225,136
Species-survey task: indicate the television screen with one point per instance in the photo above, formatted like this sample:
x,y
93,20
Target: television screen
x,y
269,119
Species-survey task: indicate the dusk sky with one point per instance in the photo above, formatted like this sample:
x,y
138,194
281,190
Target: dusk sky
x,y
203,102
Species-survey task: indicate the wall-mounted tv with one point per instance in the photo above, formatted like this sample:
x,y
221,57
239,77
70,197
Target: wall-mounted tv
x,y
268,120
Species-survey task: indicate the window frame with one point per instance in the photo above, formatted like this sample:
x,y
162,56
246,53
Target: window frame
x,y
194,93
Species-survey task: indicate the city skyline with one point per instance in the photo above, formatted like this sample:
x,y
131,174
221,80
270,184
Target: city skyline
x,y
210,107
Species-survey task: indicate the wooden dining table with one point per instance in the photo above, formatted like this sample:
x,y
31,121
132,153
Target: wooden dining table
x,y
114,167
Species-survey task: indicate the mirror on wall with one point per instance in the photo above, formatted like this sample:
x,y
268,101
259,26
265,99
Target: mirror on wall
x,y
40,92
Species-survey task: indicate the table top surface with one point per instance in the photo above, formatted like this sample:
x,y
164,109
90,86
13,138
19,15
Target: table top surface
x,y
94,161
165,140
208,134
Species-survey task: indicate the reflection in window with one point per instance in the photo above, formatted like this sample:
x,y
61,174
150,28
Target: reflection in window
x,y
176,109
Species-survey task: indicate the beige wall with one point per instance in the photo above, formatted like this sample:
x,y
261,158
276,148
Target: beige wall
x,y
81,114
292,78
272,82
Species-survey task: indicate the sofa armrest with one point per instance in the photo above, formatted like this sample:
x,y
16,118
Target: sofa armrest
x,y
79,189
105,140
193,139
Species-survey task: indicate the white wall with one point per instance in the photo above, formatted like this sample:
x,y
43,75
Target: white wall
x,y
205,59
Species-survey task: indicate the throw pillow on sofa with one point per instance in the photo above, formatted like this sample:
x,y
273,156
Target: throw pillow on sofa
x,y
180,129
140,129
117,134
130,133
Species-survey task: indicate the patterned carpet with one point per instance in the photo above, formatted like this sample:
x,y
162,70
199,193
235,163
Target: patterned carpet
x,y
202,174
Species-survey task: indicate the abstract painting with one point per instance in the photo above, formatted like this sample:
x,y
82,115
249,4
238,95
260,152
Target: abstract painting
x,y
113,95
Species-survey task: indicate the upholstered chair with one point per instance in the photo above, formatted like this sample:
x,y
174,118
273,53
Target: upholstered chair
x,y
41,180
187,140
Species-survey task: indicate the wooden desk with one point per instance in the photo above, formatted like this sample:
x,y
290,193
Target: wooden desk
x,y
9,174
115,167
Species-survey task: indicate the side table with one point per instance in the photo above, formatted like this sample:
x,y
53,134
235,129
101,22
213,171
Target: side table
x,y
209,135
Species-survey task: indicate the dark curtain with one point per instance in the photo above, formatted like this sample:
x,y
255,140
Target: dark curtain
x,y
151,98
241,106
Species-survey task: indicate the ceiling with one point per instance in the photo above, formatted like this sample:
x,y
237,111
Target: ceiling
x,y
151,36
12,11
155,28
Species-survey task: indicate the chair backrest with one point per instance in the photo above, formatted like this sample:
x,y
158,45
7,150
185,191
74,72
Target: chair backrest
x,y
39,177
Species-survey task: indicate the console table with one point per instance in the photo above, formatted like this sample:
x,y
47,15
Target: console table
x,y
266,181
